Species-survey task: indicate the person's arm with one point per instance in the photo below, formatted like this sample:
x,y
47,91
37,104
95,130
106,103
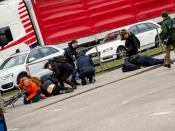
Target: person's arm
x,y
135,41
34,90
163,32
92,63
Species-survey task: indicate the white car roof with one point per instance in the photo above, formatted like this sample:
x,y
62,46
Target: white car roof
x,y
128,26
28,51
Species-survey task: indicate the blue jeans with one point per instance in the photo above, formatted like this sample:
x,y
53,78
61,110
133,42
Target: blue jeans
x,y
74,75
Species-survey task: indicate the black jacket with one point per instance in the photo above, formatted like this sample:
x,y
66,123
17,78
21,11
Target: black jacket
x,y
71,55
84,63
60,69
132,45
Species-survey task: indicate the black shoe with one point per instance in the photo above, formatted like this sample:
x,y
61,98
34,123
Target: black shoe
x,y
74,86
167,65
83,82
76,83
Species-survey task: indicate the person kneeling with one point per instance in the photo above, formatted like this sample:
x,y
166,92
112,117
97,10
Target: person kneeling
x,y
31,86
85,68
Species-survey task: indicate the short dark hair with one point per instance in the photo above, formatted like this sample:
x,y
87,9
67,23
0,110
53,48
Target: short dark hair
x,y
73,41
46,65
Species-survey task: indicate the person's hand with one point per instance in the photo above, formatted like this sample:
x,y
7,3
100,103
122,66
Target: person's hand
x,y
43,96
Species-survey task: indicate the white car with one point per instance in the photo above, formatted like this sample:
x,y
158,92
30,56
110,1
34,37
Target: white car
x,y
112,45
29,62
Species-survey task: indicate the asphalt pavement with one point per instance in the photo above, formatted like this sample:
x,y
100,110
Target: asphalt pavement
x,y
142,100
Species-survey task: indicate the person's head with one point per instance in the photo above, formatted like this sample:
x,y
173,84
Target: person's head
x,y
25,81
48,65
17,50
124,34
74,43
164,15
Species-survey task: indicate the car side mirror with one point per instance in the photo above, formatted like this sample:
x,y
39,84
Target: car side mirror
x,y
31,59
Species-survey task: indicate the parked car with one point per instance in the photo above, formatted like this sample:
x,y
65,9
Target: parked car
x,y
28,62
112,47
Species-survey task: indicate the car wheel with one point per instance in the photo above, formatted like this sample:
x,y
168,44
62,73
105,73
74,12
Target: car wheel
x,y
157,41
21,76
119,52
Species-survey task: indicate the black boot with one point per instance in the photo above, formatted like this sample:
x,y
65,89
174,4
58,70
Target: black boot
x,y
167,65
76,83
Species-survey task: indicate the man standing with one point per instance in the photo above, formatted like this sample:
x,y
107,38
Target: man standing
x,y
168,36
71,56
132,43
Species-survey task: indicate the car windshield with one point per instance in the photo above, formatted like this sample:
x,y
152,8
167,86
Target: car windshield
x,y
13,61
112,36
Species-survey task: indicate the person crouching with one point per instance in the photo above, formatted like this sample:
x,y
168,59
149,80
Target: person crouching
x,y
85,68
32,90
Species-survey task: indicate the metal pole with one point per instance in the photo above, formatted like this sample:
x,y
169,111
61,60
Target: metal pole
x,y
99,58
160,41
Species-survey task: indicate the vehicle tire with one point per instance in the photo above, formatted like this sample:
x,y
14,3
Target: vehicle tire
x,y
120,49
156,41
21,76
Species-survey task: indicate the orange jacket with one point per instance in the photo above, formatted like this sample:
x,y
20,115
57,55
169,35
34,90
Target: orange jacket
x,y
32,89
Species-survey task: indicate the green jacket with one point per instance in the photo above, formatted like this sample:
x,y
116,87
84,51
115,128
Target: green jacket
x,y
168,31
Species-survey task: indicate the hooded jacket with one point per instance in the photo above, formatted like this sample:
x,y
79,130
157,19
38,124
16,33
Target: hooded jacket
x,y
168,31
84,63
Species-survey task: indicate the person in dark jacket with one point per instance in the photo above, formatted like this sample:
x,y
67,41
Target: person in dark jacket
x,y
168,36
71,56
61,71
85,68
50,87
132,43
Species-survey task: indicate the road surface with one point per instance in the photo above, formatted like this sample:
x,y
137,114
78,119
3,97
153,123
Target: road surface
x,y
145,102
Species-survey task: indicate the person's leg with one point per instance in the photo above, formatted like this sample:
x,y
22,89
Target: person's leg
x,y
167,56
37,97
149,61
64,78
83,81
91,76
74,75
74,72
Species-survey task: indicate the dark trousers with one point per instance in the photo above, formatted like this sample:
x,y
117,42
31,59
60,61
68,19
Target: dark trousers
x,y
36,98
89,74
64,79
145,61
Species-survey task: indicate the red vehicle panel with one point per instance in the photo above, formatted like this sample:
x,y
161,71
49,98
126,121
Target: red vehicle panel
x,y
63,20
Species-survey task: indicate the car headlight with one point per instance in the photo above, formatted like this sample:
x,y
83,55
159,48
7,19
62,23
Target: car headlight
x,y
108,49
6,76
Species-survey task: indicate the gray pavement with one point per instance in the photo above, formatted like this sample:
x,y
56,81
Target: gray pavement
x,y
133,101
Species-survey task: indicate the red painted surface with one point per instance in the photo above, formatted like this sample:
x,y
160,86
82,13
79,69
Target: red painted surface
x,y
63,20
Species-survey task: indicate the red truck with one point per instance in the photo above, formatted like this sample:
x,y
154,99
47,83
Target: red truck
x,y
55,22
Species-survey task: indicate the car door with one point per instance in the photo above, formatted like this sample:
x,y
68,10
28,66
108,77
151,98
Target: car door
x,y
145,35
33,61
154,30
43,55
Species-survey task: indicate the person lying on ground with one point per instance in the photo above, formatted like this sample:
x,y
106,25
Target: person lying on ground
x,y
50,87
31,86
61,70
136,61
85,68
